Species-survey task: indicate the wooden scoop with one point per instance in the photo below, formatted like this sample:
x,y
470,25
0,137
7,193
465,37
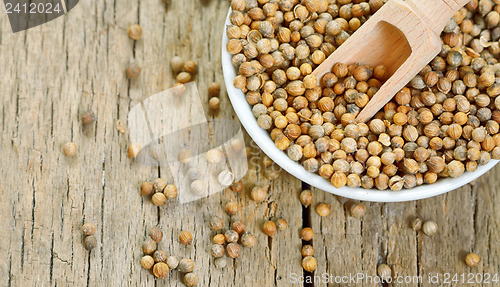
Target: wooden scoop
x,y
404,36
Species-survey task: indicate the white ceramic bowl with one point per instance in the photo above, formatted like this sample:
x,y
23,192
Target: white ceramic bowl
x,y
261,137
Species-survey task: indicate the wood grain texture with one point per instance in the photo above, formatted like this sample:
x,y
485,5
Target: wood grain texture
x,y
55,72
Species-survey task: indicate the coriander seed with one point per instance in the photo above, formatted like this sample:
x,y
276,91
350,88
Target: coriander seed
x,y
90,242
149,247
237,186
186,238
218,250
220,262
416,224
170,191
213,89
88,229
281,224
69,149
159,199
248,239
160,270
191,67
309,263
307,250
323,209
133,71
307,234
214,103
133,150
269,228
216,223
186,265
231,236
172,262
146,188
177,64
156,234
183,77
233,250
159,184
472,260
384,271
358,210
135,31
306,198
190,279
231,208
239,227
219,239
430,228
258,194
160,256
147,262
88,118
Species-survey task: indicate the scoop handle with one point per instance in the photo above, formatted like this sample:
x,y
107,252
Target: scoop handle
x,y
436,13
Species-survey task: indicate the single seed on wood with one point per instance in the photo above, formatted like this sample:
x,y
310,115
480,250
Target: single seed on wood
x,y
133,71
218,250
88,118
159,184
88,229
172,262
190,279
220,262
156,234
160,256
186,265
323,209
69,149
306,197
135,31
239,227
269,228
216,223
309,263
133,150
219,239
258,194
149,246
248,239
307,234
472,260
159,199
384,271
186,238
231,208
170,191
177,64
358,210
430,228
281,224
147,262
233,250
307,250
146,188
90,242
416,224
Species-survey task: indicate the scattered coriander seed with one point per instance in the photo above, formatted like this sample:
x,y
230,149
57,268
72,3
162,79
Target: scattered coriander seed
x,y
258,194
186,265
237,186
191,67
133,150
177,64
146,188
149,246
239,227
88,229
214,156
156,234
198,187
172,262
183,77
190,279
135,31
384,271
416,224
216,223
159,184
186,238
214,103
306,198
430,228
219,239
358,210
133,71
307,234
160,270
159,199
88,118
231,236
90,242
309,263
225,178
472,260
160,256
69,149
220,263
323,209
307,250
213,90
248,239
218,250
170,191
233,250
147,262
231,208
281,224
269,228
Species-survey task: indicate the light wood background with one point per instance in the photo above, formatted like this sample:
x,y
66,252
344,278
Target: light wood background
x,y
53,73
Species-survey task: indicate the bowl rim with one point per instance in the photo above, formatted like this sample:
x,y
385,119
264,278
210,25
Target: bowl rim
x,y
263,140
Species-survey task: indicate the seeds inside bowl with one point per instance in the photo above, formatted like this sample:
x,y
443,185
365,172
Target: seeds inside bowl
x,y
445,122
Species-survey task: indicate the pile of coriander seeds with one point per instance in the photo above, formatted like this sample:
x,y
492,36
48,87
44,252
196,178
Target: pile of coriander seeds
x,y
445,122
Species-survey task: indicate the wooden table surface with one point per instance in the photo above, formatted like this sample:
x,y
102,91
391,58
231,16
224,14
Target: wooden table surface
x,y
53,73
